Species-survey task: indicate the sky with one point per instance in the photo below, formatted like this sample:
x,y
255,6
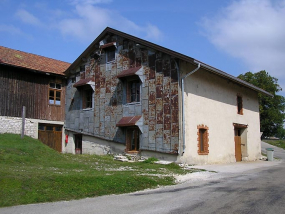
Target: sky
x,y
235,36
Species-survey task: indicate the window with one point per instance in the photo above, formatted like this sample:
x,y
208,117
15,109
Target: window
x,y
133,91
87,98
125,44
239,105
82,68
203,140
133,139
54,93
110,54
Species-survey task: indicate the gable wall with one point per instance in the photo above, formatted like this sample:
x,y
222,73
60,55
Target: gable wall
x,y
211,101
159,97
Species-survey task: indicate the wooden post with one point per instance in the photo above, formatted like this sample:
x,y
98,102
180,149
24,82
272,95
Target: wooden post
x,y
23,121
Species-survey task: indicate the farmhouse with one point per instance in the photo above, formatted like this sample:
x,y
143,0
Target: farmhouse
x,y
38,83
125,94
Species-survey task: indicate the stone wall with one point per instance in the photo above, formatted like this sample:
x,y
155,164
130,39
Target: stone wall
x,y
14,125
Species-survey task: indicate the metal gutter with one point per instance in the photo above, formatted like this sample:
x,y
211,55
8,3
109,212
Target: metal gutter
x,y
183,111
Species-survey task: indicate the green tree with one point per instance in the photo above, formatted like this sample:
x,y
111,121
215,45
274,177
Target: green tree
x,y
271,108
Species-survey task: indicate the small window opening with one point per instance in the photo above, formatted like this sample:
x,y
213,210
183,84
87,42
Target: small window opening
x,y
239,104
203,140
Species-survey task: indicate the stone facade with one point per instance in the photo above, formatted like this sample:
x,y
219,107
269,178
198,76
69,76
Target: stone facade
x,y
157,105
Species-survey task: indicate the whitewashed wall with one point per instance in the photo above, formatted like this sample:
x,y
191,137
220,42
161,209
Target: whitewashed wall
x,y
212,101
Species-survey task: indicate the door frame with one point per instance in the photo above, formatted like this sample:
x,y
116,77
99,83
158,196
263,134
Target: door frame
x,y
78,143
240,139
132,133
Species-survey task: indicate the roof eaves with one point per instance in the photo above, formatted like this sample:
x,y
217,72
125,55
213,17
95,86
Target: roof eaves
x,y
232,78
167,51
34,70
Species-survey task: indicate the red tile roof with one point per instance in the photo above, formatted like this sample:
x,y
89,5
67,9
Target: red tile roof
x,y
32,61
128,121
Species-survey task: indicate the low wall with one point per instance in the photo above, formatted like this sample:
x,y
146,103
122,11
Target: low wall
x,y
14,125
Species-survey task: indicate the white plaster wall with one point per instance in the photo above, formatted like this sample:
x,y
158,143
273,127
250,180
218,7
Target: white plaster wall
x,y
93,145
211,100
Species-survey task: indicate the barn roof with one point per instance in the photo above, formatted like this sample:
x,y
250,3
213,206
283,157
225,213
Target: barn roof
x,y
30,61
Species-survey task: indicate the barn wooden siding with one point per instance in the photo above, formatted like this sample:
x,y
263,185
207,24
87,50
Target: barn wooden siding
x,y
22,87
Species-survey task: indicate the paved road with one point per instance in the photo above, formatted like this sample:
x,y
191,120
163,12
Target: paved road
x,y
278,152
257,187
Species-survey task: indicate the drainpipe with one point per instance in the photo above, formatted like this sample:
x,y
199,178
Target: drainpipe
x,y
183,111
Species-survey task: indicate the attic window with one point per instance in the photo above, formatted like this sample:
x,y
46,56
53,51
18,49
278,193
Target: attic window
x,y
125,44
110,54
82,68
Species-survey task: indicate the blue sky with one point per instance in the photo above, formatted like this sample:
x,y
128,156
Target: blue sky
x,y
235,36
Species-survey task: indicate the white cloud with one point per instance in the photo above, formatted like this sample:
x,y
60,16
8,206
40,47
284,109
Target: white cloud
x,y
27,17
252,30
12,30
90,20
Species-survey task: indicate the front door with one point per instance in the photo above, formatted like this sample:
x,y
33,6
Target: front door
x,y
78,143
238,145
133,139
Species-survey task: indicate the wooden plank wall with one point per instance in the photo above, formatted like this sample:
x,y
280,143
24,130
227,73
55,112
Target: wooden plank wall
x,y
22,87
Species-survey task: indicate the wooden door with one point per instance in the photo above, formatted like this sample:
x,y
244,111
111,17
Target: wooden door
x,y
51,135
238,145
78,143
133,139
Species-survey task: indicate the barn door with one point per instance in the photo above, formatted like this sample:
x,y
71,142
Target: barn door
x,y
238,145
51,135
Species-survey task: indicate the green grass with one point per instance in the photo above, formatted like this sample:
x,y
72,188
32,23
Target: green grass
x,y
278,143
31,172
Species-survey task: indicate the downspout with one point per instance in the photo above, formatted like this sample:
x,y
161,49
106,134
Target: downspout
x,y
183,111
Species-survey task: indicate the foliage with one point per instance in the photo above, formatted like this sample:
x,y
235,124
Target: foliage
x,y
31,172
271,108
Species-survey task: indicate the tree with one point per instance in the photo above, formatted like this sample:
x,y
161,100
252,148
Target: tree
x,y
271,108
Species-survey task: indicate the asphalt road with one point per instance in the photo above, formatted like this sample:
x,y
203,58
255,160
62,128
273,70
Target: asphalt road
x,y
258,188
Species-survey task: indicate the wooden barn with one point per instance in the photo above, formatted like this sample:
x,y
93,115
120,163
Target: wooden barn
x,y
38,83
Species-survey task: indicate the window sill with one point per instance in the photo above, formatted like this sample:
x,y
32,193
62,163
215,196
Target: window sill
x,y
88,109
54,105
204,153
133,103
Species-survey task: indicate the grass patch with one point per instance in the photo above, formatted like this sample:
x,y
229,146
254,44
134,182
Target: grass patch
x,y
278,143
150,160
31,172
